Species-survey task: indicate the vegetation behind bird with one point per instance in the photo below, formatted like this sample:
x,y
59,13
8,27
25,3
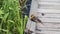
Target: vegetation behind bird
x,y
11,20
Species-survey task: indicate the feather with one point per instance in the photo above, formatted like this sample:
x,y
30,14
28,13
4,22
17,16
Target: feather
x,y
35,19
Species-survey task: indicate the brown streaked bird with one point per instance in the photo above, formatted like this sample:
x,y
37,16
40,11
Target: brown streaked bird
x,y
35,19
22,2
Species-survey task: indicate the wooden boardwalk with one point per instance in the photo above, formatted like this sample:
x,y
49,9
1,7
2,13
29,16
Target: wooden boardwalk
x,y
51,18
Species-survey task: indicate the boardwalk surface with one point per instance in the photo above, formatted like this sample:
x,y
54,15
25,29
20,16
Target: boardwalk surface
x,y
51,18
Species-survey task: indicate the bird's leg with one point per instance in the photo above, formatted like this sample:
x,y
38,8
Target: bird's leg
x,y
28,31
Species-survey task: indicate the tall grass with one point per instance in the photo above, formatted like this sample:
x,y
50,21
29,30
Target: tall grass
x,y
11,21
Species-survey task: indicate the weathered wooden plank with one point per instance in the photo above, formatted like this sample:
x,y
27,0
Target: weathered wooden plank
x,y
49,0
47,11
51,18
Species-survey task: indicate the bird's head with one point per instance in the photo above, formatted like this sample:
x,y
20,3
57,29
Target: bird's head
x,y
32,16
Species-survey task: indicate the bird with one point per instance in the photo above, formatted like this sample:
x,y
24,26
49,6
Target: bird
x,y
35,19
22,2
